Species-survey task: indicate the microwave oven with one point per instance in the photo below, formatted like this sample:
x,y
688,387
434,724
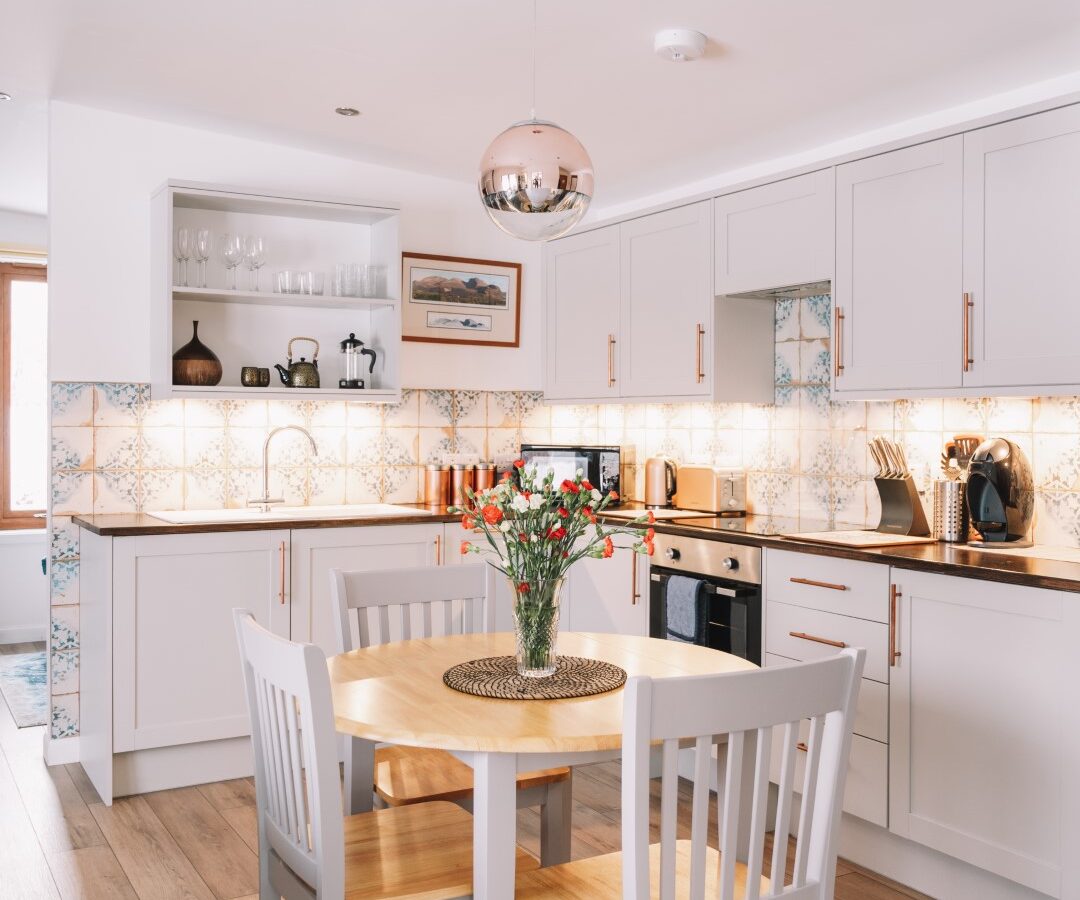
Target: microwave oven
x,y
599,465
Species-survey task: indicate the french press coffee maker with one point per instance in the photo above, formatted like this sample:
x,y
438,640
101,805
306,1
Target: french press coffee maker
x,y
352,353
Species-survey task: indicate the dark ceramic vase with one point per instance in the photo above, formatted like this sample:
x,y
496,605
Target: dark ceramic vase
x,y
195,363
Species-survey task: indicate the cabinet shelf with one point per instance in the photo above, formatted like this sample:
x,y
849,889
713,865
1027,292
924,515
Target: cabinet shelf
x,y
270,298
280,392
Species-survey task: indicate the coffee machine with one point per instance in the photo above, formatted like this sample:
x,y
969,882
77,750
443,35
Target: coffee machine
x,y
1000,494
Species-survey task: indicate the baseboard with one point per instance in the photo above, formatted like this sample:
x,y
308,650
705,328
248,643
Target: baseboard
x,y
182,765
60,751
21,634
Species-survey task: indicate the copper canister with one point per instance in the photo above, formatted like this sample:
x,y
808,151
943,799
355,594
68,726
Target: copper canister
x,y
461,477
484,477
436,485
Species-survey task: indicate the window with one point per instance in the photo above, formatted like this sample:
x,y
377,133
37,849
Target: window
x,y
24,395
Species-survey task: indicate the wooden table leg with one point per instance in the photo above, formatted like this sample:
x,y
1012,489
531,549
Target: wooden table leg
x,y
494,825
359,775
555,822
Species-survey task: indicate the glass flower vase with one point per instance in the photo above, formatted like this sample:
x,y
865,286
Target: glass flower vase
x,y
536,626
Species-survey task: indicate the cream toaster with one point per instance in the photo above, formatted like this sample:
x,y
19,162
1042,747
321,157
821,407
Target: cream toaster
x,y
720,491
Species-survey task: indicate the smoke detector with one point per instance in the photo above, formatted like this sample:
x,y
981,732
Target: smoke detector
x,y
679,44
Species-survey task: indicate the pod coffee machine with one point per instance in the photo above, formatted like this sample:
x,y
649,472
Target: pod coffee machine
x,y
1000,495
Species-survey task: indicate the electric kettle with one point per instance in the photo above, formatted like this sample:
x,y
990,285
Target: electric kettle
x,y
660,481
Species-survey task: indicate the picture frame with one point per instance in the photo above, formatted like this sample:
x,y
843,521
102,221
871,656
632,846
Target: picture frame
x,y
459,300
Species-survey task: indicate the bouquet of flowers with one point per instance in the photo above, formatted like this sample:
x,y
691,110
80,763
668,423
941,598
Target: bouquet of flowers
x,y
532,531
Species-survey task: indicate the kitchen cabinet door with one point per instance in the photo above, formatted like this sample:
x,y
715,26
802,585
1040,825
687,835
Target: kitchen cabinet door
x,y
1021,265
899,288
980,711
610,595
581,293
365,548
776,235
667,299
176,666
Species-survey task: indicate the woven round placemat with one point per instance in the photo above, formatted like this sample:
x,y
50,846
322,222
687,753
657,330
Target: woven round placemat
x,y
497,677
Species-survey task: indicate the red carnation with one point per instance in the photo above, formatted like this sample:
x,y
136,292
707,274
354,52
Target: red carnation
x,y
465,545
613,496
609,547
585,484
649,548
649,535
568,487
523,588
587,512
468,522
557,534
519,464
492,514
523,537
652,517
563,512
566,554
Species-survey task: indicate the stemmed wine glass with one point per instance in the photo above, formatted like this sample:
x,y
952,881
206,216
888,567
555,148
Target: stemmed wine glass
x,y
232,254
182,252
202,252
255,257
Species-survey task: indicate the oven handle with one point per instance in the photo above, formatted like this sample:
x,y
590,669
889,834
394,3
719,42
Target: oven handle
x,y
716,589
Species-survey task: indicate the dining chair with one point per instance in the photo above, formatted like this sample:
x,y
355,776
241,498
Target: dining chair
x,y
752,709
375,607
306,846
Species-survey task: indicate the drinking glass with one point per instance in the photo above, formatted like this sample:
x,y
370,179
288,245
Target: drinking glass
x,y
232,254
182,252
311,283
255,257
203,243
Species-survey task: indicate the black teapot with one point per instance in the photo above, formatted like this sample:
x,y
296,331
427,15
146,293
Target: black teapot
x,y
301,374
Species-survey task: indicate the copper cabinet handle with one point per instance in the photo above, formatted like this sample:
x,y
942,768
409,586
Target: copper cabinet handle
x,y
803,636
611,360
969,304
838,350
281,573
438,549
802,746
894,654
634,595
699,344
821,584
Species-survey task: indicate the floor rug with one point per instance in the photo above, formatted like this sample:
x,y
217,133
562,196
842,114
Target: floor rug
x,y
25,687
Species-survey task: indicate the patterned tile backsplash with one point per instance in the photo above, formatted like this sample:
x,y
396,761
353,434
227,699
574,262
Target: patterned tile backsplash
x,y
116,450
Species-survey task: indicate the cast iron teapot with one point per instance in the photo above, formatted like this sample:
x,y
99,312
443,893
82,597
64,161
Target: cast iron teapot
x,y
302,374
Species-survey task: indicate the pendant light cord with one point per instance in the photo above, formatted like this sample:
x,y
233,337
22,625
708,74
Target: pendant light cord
x,y
534,62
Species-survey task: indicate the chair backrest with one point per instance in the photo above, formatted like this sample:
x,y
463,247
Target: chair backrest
x,y
399,604
739,704
297,783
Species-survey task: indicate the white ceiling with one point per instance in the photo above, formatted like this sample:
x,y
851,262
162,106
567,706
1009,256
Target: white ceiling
x,y
437,80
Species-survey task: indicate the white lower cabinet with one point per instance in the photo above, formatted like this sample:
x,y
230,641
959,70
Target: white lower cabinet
x,y
610,595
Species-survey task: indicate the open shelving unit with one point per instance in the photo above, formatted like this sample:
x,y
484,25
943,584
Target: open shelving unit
x,y
247,327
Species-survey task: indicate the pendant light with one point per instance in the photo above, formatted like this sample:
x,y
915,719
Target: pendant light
x,y
536,180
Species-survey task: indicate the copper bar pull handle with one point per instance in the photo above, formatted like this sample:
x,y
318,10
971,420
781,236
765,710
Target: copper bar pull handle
x,y
803,636
634,595
802,746
838,349
699,370
611,360
821,584
438,550
894,653
281,573
969,304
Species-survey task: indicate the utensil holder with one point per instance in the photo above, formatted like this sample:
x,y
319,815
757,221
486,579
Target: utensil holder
x,y
901,509
951,522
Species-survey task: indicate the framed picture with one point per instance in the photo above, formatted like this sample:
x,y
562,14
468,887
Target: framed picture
x,y
453,300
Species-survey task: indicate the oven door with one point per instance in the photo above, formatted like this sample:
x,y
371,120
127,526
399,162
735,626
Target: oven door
x,y
733,620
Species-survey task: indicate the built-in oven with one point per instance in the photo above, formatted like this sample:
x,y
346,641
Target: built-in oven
x,y
599,465
731,583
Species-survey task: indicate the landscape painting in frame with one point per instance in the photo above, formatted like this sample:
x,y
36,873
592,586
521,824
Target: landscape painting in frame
x,y
453,300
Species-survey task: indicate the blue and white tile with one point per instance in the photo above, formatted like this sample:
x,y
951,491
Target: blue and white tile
x,y
116,491
63,538
1010,414
64,628
786,322
1057,518
64,721
772,494
468,445
435,446
784,450
204,448
120,403
470,409
577,416
832,500
534,412
287,412
72,493
970,414
161,489
673,443
364,445
722,447
72,403
925,414
787,362
1057,414
329,414
72,448
327,486
399,447
667,415
880,417
162,447
815,317
292,448
242,485
815,361
332,444
403,414
1056,462
363,415
64,672
758,415
117,447
575,435
834,452
504,409
436,409
400,484
291,481
504,445
163,414
363,484
204,488
64,582
786,406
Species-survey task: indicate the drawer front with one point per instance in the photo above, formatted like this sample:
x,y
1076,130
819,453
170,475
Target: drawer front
x,y
871,710
783,622
843,586
866,791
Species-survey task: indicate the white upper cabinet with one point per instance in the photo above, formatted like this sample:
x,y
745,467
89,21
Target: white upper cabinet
x,y
898,291
666,304
1022,251
581,291
776,235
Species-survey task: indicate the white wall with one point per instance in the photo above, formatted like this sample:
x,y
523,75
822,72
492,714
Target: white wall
x,y
103,168
23,231
24,598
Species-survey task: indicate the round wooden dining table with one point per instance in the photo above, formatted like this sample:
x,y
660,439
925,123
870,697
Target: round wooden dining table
x,y
394,693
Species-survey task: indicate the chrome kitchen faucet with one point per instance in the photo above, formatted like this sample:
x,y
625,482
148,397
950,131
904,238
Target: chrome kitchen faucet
x,y
266,502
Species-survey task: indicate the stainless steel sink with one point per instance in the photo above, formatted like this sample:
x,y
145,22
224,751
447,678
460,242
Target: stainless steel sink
x,y
285,513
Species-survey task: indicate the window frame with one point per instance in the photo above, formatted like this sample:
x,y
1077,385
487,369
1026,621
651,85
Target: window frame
x,y
9,272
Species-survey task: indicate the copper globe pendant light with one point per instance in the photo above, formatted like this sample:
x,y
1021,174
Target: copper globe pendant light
x,y
536,180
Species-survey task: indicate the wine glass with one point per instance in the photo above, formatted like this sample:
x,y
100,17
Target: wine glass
x,y
255,257
182,252
202,252
232,254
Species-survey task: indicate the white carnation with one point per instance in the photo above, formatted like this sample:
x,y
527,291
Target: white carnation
x,y
505,526
596,495
519,503
536,501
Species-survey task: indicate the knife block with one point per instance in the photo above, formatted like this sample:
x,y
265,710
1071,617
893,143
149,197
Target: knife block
x,y
901,509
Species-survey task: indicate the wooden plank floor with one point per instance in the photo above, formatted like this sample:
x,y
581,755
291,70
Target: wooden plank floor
x,y
58,841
